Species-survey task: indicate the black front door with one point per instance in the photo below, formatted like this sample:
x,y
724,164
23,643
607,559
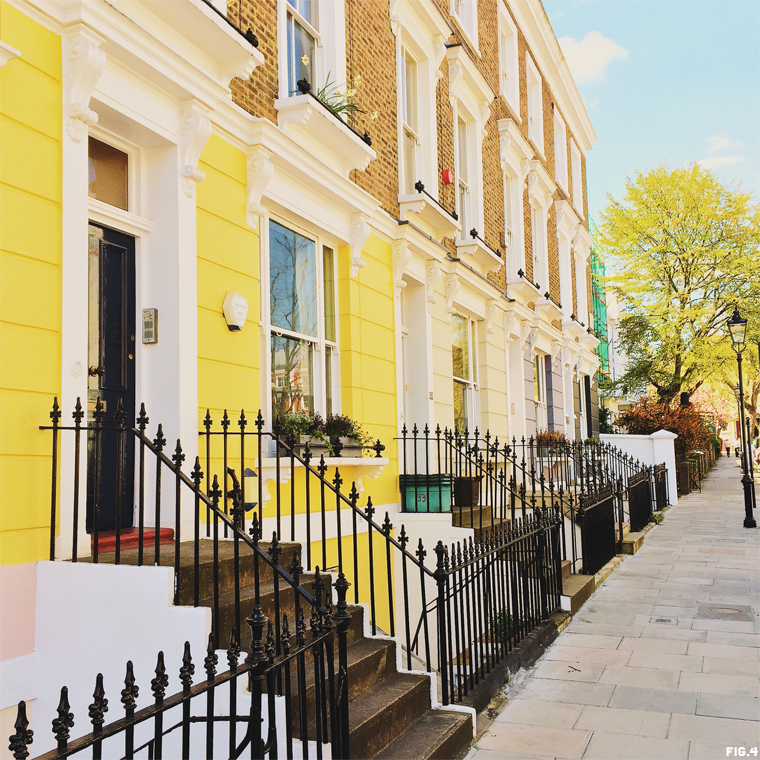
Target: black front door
x,y
111,378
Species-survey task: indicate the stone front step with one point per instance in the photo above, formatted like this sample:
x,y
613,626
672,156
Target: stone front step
x,y
576,589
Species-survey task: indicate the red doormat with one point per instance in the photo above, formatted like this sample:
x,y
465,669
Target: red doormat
x,y
130,539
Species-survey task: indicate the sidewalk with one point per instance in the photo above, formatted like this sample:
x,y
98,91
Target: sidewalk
x,y
664,660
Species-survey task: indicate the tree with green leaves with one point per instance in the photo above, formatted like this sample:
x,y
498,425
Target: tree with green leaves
x,y
684,251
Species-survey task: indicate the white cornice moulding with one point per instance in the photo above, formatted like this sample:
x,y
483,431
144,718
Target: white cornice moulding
x,y
420,14
260,172
535,26
514,150
540,184
567,219
467,84
196,129
7,53
85,62
360,232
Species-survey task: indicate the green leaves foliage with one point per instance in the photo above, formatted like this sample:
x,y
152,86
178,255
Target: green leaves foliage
x,y
685,251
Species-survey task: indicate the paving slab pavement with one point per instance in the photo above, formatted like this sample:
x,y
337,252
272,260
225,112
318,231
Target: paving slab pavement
x,y
663,661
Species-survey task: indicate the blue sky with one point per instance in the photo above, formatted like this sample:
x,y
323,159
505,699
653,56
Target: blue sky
x,y
665,80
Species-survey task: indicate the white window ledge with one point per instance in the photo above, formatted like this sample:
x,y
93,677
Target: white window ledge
x,y
572,328
589,341
548,309
522,290
488,260
430,212
304,118
210,31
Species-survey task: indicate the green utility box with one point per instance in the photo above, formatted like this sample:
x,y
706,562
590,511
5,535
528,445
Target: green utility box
x,y
425,493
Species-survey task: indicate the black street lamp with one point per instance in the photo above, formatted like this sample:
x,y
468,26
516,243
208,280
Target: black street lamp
x,y
737,328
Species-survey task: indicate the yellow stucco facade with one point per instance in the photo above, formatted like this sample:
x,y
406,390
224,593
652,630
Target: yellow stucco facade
x,y
30,280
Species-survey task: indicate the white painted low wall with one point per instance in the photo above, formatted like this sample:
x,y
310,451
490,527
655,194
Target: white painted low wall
x,y
93,618
651,449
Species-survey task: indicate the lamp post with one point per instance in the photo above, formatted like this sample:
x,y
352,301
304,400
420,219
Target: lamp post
x,y
737,328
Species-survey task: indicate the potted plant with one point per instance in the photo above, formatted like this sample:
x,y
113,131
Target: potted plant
x,y
299,428
549,439
345,435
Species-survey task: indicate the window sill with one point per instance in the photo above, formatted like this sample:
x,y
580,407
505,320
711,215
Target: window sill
x,y
522,290
210,31
588,341
548,309
430,212
572,328
312,123
488,260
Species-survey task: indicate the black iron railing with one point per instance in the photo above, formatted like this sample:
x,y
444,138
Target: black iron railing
x,y
225,713
393,581
596,517
660,476
491,595
639,500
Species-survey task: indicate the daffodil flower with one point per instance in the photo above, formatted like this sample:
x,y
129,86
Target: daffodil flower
x,y
357,79
305,60
373,115
351,93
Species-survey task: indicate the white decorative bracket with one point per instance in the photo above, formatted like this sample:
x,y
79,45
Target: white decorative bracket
x,y
490,314
85,62
456,72
401,258
360,232
555,353
432,275
260,172
485,115
452,291
196,129
533,342
7,53
510,322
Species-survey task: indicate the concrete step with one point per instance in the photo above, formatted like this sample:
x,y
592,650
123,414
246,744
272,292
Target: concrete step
x,y
632,542
575,592
566,568
437,735
383,713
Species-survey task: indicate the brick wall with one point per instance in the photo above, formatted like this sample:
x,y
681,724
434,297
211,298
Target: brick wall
x,y
371,54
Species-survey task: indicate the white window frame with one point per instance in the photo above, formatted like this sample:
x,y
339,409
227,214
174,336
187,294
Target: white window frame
x,y
539,247
509,68
406,184
319,342
560,151
535,105
516,154
330,44
133,168
541,404
472,384
465,185
577,178
465,15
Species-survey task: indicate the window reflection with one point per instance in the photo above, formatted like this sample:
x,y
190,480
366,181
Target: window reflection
x,y
108,174
293,281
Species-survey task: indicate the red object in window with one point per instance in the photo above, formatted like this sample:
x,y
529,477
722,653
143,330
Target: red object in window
x,y
448,176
